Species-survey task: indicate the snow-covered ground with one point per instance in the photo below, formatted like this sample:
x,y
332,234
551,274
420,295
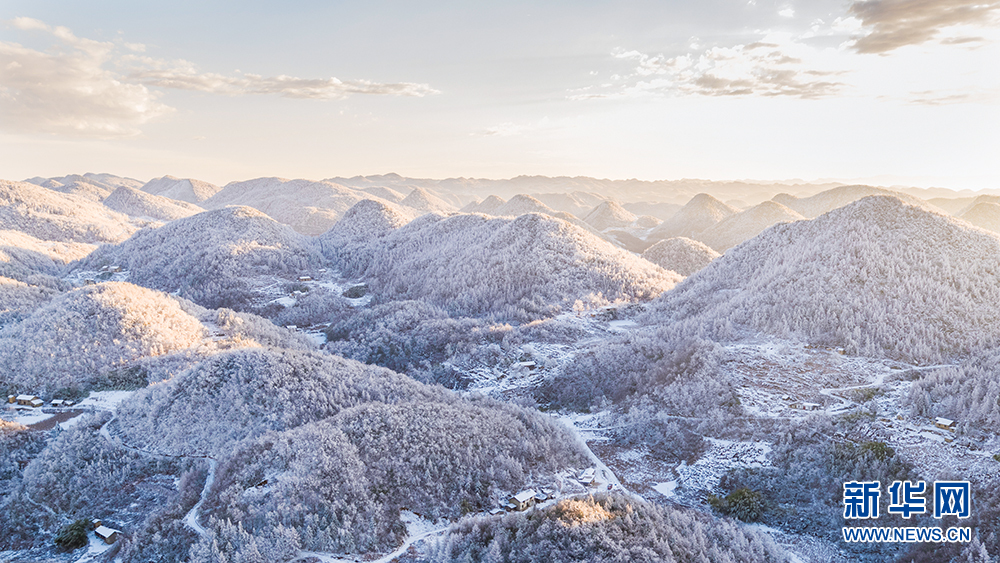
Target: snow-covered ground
x,y
418,529
95,549
25,415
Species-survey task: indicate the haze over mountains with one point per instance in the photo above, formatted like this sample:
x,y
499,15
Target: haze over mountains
x,y
281,348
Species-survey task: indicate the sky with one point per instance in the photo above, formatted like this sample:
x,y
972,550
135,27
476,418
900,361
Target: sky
x,y
894,92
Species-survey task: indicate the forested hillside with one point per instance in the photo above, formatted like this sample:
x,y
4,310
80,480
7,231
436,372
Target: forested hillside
x,y
181,189
828,200
49,215
79,336
137,203
308,207
682,255
879,277
698,214
746,224
522,268
605,528
210,258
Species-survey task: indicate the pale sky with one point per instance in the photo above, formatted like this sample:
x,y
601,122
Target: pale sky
x,y
904,90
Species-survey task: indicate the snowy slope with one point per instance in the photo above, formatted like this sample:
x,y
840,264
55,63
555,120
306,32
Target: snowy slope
x,y
985,216
488,206
49,215
682,255
577,203
41,255
351,237
82,188
308,207
986,198
831,199
746,224
521,204
879,277
609,214
529,266
80,335
387,194
211,258
181,189
136,203
424,202
106,182
700,213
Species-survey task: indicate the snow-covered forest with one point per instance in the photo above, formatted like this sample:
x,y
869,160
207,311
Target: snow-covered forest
x,y
382,367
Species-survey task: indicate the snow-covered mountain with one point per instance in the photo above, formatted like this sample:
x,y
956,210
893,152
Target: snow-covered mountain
x,y
828,200
39,255
488,206
52,216
985,198
72,341
984,215
181,189
211,258
245,393
609,214
424,202
879,276
682,255
529,266
746,224
577,203
702,212
351,237
387,194
137,203
106,182
334,447
308,207
521,204
81,188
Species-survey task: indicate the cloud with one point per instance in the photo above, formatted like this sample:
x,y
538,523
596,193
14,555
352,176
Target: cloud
x,y
897,23
182,75
775,66
506,129
67,90
103,89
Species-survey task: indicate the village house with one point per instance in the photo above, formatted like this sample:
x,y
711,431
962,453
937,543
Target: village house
x,y
588,478
523,500
945,423
109,535
29,401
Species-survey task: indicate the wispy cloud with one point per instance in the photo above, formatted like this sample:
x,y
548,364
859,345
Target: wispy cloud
x,y
104,89
68,90
183,75
892,24
777,65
